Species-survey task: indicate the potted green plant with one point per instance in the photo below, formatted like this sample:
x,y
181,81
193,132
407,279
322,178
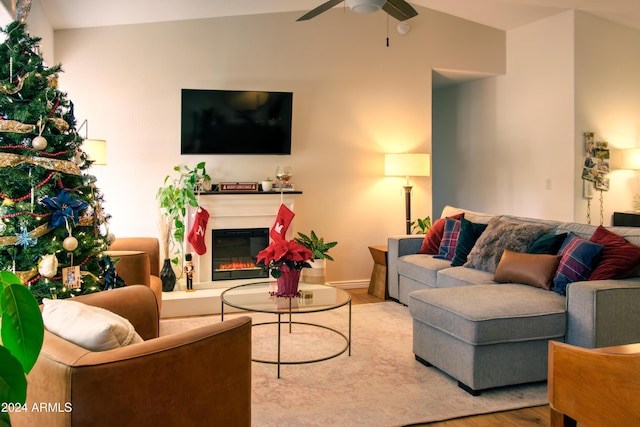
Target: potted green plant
x,y
421,226
22,337
174,198
319,248
267,184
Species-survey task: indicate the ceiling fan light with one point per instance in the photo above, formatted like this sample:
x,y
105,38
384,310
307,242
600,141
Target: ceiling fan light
x,y
365,6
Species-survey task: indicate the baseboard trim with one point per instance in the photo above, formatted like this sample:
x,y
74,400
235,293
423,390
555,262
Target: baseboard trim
x,y
350,284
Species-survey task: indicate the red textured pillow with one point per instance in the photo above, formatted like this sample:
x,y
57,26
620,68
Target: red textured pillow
x,y
431,242
619,258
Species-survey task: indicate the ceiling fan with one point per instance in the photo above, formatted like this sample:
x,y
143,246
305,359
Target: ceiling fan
x,y
399,9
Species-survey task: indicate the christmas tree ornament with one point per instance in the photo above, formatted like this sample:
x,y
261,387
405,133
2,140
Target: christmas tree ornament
x,y
70,243
71,277
48,266
64,207
39,143
25,238
23,7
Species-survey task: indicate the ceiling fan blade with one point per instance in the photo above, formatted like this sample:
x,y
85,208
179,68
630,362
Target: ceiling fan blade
x,y
318,10
399,9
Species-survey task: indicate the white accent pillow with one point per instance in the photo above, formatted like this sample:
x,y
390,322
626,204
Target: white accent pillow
x,y
93,328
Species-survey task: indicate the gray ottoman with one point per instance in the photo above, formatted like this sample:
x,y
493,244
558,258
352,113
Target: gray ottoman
x,y
487,336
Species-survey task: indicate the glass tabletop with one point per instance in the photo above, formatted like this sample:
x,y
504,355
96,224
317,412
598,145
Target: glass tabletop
x,y
261,297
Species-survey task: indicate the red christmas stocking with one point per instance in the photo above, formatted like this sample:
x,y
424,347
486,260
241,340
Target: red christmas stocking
x,y
196,235
284,218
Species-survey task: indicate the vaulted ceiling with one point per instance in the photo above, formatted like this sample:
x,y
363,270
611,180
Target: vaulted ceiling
x,y
501,14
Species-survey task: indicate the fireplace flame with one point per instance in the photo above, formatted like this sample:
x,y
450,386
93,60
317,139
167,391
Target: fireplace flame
x,y
237,265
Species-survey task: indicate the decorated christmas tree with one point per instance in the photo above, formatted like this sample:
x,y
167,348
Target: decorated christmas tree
x,y
52,229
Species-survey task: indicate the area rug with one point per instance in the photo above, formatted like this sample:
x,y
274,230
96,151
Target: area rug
x,y
380,384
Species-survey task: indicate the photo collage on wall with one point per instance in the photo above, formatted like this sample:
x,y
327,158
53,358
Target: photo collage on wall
x,y
596,162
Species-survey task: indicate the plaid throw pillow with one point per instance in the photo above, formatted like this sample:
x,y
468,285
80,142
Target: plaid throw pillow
x,y
449,239
579,256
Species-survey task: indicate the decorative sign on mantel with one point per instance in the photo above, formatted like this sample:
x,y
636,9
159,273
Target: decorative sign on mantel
x,y
238,186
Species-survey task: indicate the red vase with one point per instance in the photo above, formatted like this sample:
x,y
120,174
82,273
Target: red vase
x,y
288,283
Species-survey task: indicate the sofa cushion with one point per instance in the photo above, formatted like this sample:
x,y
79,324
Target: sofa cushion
x,y
547,244
469,234
489,314
462,276
478,217
90,327
578,259
619,258
501,235
449,239
421,268
529,269
431,243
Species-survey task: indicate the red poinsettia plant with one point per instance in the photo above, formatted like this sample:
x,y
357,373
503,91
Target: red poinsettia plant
x,y
283,255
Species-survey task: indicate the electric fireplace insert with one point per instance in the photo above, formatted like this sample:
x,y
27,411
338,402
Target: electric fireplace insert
x,y
235,251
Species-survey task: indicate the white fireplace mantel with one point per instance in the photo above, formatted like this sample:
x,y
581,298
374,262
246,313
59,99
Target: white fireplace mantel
x,y
234,211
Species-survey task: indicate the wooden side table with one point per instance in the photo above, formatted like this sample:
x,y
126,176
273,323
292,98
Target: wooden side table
x,y
378,283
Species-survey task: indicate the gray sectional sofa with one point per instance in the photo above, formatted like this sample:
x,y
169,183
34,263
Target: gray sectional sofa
x,y
488,334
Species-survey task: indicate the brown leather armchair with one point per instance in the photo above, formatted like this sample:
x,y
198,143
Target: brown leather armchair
x,y
138,262
199,377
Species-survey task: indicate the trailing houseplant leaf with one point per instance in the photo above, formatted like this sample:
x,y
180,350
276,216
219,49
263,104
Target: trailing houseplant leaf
x,y
13,381
174,198
22,333
22,327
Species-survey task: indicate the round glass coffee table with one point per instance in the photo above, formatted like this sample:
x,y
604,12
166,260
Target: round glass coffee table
x,y
313,298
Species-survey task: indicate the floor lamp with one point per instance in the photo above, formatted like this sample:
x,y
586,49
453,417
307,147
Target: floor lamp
x,y
96,149
407,165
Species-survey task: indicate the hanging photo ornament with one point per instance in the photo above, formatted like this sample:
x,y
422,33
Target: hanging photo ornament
x,y
70,244
48,266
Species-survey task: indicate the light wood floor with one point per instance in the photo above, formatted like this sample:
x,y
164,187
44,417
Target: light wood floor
x,y
536,416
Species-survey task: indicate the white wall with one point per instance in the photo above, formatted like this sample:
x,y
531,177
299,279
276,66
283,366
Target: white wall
x,y
504,144
607,103
516,141
354,100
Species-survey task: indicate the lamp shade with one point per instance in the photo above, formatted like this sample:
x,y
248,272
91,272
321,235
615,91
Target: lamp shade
x,y
96,150
407,164
630,158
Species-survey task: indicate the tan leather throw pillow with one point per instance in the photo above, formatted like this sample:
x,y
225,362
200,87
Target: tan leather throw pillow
x,y
529,269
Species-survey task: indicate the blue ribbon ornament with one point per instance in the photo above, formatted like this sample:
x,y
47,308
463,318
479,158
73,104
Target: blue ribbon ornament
x,y
111,278
64,207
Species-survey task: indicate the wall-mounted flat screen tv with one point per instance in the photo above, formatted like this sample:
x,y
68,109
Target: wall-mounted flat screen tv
x,y
236,122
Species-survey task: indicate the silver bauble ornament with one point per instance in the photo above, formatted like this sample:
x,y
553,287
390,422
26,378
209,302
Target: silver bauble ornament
x,y
70,243
39,143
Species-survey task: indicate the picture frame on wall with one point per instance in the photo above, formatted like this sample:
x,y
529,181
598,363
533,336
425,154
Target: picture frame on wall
x,y
602,183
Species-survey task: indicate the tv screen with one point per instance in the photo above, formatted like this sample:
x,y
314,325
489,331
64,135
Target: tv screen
x,y
236,122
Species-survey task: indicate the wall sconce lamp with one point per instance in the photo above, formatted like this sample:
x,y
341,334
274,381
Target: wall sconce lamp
x,y
96,149
407,165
